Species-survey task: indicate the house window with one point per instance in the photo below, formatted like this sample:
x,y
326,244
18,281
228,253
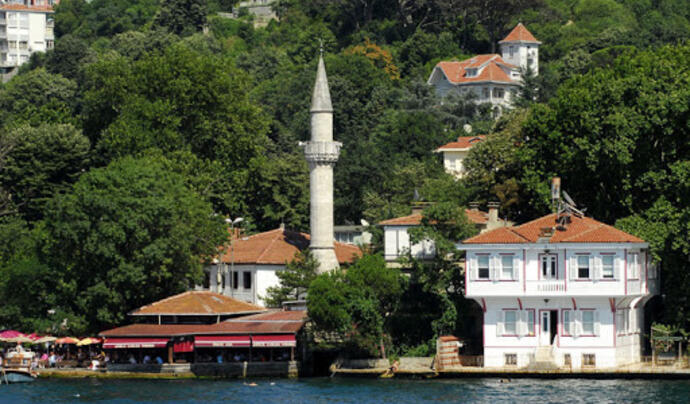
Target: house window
x,y
235,280
583,266
510,359
512,51
485,92
567,323
507,267
588,322
634,266
483,267
530,322
589,360
499,92
510,323
549,266
566,360
247,280
607,266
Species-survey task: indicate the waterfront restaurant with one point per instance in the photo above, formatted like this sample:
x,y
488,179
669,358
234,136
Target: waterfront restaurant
x,y
205,327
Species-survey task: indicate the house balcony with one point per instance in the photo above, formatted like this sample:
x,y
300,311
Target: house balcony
x,y
562,287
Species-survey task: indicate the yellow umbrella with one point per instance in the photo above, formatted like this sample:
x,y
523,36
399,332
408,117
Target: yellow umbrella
x,y
89,341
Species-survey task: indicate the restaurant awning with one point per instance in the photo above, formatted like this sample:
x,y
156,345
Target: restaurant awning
x,y
115,343
280,340
221,341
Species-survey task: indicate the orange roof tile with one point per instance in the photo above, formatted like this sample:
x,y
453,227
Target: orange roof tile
x,y
202,303
22,7
519,34
456,72
273,322
463,142
415,219
579,230
279,246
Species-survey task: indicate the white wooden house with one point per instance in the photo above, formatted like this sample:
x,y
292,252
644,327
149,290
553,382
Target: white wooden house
x,y
560,291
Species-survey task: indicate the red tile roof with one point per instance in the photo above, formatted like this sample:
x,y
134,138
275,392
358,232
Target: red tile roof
x,y
275,322
579,230
279,246
456,72
22,7
197,303
520,34
463,142
415,219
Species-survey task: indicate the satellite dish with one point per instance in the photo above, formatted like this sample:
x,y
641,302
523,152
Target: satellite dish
x,y
568,199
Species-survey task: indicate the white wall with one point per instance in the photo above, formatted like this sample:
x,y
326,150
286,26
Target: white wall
x,y
603,344
397,243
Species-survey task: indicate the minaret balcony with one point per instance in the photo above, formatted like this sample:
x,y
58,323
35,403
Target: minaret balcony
x,y
321,152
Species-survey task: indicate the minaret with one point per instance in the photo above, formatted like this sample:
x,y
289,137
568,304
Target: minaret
x,y
322,153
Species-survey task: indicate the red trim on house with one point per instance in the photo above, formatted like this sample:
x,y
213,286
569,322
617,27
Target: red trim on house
x,y
483,305
519,303
271,341
574,303
213,341
612,303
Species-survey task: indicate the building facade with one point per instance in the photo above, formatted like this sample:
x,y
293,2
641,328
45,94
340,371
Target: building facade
x,y
397,243
247,266
561,291
490,78
26,26
455,153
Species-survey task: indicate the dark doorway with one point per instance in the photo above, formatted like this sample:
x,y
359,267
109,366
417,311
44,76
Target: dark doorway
x,y
554,324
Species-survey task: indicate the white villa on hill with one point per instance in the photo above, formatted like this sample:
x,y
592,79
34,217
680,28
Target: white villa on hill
x,y
26,26
492,77
563,290
397,239
455,153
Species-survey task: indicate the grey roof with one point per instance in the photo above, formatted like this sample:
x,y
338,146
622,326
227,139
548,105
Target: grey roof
x,y
321,99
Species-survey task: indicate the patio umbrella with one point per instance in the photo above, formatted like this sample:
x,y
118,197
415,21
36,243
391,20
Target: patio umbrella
x,y
5,335
67,340
23,339
42,340
89,341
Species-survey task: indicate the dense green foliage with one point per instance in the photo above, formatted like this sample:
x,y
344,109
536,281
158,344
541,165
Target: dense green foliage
x,y
354,306
147,117
294,280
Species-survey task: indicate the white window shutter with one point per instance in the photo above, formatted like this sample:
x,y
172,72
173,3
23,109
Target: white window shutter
x,y
572,268
597,268
516,268
596,322
499,323
617,267
470,265
493,266
591,267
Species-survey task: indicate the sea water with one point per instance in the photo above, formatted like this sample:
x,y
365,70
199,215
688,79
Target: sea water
x,y
337,390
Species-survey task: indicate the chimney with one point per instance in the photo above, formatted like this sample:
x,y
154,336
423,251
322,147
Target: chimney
x,y
474,206
494,221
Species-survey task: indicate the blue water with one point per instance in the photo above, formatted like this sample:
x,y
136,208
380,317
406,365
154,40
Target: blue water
x,y
323,390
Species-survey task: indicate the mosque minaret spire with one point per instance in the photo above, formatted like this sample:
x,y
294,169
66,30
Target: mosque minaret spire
x,y
321,154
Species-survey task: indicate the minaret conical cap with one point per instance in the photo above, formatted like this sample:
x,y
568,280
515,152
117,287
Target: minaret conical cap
x,y
321,98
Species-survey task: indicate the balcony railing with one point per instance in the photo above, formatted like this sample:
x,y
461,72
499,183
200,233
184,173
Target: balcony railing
x,y
549,286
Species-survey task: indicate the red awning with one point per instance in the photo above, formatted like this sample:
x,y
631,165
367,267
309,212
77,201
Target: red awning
x,y
282,340
114,343
221,341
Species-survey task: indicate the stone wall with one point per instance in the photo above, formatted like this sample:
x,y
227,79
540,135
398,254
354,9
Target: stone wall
x,y
224,370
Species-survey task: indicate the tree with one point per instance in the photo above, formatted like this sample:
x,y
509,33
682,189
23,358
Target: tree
x,y
69,57
182,17
356,304
126,235
44,161
37,97
294,280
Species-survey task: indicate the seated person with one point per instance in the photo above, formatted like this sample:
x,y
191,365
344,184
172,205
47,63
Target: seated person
x,y
132,360
147,359
159,360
